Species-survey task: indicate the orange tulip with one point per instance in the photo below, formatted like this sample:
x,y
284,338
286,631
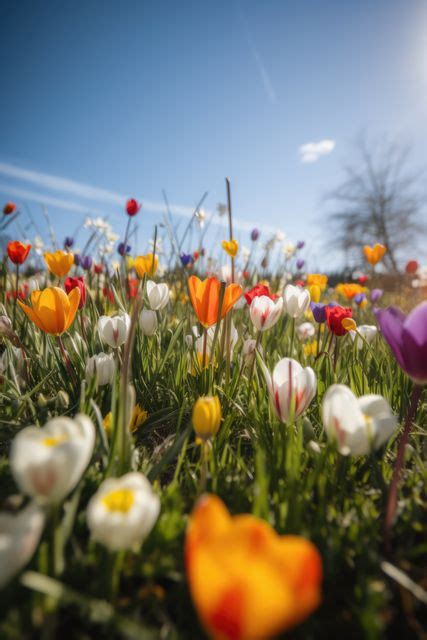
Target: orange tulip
x,y
246,581
59,262
204,295
17,251
375,253
350,289
52,310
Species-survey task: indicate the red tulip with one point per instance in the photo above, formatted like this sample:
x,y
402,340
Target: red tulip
x,y
133,285
334,318
98,268
363,279
411,266
79,283
9,207
132,207
17,251
259,290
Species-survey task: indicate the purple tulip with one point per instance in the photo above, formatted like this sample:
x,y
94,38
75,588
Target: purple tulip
x,y
68,242
318,310
255,233
86,263
407,337
300,264
376,294
359,298
185,259
77,259
300,244
123,250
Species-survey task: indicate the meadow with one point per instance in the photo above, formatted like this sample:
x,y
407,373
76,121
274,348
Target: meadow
x,y
197,445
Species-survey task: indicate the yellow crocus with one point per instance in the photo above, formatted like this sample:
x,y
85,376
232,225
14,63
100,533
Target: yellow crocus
x,y
146,264
374,254
207,416
231,247
318,279
52,310
59,262
139,416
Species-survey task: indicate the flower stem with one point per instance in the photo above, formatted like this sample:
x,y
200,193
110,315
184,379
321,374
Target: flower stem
x,y
16,295
67,360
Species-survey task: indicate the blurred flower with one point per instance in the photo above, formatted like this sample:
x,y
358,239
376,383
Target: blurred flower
x,y
148,322
407,338
77,259
374,254
86,263
52,310
335,316
315,292
291,388
9,208
98,268
310,348
376,294
123,250
358,425
300,244
38,245
411,266
133,287
348,324
279,236
132,207
258,290
360,299
265,312
305,331
349,290
296,300
289,250
19,537
123,511
68,242
300,264
248,351
146,264
246,581
103,367
204,295
200,216
366,331
231,247
79,282
255,234
17,251
206,416
114,329
158,295
363,279
48,462
186,258
318,279
139,416
59,262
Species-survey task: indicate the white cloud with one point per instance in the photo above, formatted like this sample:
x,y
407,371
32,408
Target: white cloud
x,y
312,151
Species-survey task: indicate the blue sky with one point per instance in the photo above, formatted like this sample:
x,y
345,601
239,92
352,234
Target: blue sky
x,y
136,96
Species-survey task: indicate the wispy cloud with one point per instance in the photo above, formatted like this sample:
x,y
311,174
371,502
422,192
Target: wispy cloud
x,y
82,198
312,151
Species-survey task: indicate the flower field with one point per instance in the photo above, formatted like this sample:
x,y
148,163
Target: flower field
x,y
205,444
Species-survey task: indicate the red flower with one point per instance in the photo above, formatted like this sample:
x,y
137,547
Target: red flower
x,y
259,290
133,285
411,266
98,268
79,283
9,207
17,251
132,207
196,255
363,279
300,283
246,275
108,294
21,294
334,318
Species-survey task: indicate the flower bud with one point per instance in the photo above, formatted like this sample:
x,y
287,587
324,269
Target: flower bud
x,y
62,400
148,322
102,366
206,416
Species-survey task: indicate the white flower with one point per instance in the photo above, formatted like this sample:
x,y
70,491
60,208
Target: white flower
x,y
103,366
296,300
48,462
123,511
305,331
158,295
248,351
114,329
279,236
245,253
148,322
200,216
358,425
19,536
291,388
289,250
38,245
14,357
367,331
265,312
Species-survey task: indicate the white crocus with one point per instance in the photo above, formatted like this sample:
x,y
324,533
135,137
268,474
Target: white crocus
x,y
291,388
158,295
296,300
248,351
305,331
19,536
358,425
148,322
103,366
114,329
366,331
48,462
123,511
265,312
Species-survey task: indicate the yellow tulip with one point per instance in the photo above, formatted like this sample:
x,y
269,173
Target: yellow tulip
x,y
349,289
315,292
207,416
52,310
348,324
246,581
375,253
59,262
146,264
319,279
230,247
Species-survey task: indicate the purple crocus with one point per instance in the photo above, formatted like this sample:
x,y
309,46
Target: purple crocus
x,y
318,310
407,338
68,242
77,259
86,263
255,233
376,294
300,244
123,249
300,264
185,259
359,298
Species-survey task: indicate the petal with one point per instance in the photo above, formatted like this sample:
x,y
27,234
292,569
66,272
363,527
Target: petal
x,y
391,322
74,300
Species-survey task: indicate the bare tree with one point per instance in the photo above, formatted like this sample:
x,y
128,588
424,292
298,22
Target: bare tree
x,y
378,201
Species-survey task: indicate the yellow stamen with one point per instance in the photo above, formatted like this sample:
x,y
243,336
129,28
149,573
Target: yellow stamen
x,y
119,500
